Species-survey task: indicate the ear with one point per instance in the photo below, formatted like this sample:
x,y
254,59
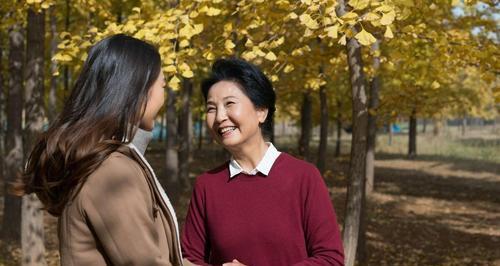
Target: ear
x,y
262,114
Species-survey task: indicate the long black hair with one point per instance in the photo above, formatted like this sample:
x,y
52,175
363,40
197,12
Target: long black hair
x,y
254,83
100,115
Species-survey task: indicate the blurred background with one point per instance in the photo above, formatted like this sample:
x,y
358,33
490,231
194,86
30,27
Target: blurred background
x,y
395,101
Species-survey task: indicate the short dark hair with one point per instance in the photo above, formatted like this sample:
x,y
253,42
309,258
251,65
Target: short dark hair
x,y
252,80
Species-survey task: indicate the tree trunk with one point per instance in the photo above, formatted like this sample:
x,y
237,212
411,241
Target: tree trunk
x,y
3,102
323,139
390,134
272,133
11,229
66,68
412,143
339,130
162,125
172,167
424,128
33,249
185,134
305,125
372,122
200,132
355,188
464,125
52,104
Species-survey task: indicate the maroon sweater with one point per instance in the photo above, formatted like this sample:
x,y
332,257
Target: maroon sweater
x,y
285,218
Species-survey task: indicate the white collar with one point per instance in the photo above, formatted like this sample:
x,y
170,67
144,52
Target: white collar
x,y
264,166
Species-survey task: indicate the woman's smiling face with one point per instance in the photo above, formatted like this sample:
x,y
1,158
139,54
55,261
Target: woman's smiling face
x,y
232,118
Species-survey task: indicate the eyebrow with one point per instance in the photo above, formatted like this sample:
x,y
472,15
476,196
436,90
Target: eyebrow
x,y
225,98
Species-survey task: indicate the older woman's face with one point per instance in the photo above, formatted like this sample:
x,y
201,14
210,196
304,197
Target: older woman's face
x,y
232,118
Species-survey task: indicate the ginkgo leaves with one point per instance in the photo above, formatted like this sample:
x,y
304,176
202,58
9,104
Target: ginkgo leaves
x,y
365,38
320,19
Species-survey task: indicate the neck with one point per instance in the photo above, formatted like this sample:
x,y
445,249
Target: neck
x,y
248,156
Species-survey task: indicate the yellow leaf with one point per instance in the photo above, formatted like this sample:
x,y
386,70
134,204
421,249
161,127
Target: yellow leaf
x,y
187,73
229,45
435,85
228,26
388,33
184,43
62,58
249,55
288,68
370,16
211,11
170,69
292,15
136,9
349,16
310,23
343,40
198,28
55,74
209,55
174,83
271,56
388,18
333,31
249,43
365,38
193,14
359,4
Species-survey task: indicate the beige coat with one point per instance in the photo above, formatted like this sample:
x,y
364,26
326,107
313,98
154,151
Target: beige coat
x,y
119,218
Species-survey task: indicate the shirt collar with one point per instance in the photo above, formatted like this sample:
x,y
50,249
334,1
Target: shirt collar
x,y
264,166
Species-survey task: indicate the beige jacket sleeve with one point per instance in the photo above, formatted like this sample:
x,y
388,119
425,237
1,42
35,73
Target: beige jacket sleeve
x,y
117,203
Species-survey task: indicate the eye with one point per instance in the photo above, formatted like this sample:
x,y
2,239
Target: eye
x,y
230,103
210,109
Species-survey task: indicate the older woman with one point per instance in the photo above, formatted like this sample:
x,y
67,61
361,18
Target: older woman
x,y
263,207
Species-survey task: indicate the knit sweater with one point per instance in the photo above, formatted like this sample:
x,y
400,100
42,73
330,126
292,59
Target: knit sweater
x,y
285,218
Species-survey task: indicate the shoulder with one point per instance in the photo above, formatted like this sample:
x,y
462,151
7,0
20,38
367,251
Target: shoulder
x,y
117,173
287,162
213,176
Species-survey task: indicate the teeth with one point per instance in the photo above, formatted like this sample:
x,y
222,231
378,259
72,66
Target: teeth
x,y
226,129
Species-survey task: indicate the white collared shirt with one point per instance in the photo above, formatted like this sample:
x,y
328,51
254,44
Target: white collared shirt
x,y
264,166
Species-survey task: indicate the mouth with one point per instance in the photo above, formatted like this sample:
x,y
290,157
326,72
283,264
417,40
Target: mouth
x,y
226,131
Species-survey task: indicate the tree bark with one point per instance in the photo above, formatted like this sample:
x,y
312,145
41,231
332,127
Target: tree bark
x,y
52,103
185,134
162,125
390,134
171,163
11,229
66,68
339,130
305,125
424,128
412,143
323,138
464,125
372,122
200,132
355,188
33,249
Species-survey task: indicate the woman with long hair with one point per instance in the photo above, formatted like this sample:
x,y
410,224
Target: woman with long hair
x,y
262,207
88,168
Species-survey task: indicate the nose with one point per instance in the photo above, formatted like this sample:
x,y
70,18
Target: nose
x,y
221,115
